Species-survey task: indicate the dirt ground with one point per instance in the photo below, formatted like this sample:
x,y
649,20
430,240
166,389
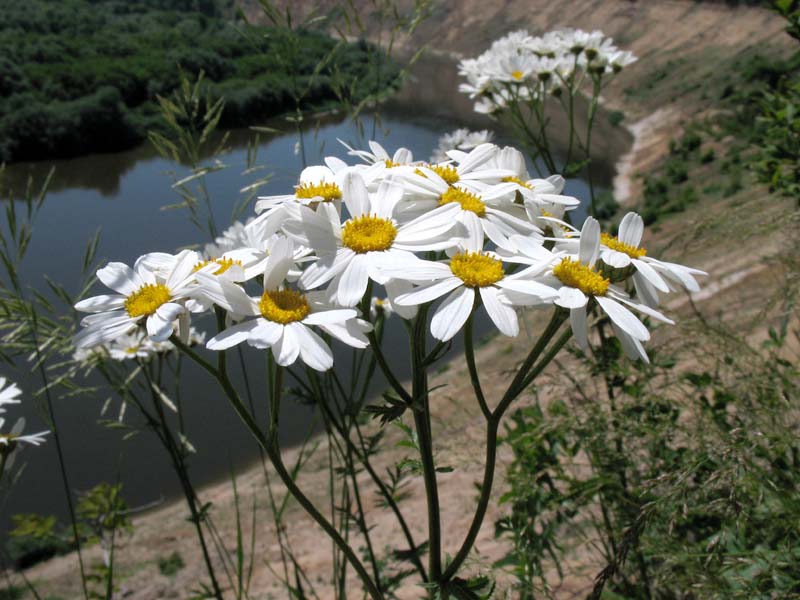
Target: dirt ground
x,y
738,240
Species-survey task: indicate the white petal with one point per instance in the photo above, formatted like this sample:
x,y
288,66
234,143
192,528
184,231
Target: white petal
x,y
524,286
120,278
651,275
428,292
325,269
633,348
618,260
577,320
429,226
452,314
287,348
231,336
631,229
354,280
569,297
354,192
504,317
590,241
97,304
325,317
226,294
313,350
265,334
624,318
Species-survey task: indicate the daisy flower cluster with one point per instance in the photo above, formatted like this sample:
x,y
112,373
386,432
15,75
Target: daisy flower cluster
x,y
460,139
472,232
522,67
9,394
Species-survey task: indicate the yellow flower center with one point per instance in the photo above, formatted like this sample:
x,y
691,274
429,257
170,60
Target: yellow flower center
x,y
446,172
224,264
326,191
575,274
283,306
476,269
614,243
518,75
390,163
467,200
368,233
146,300
518,181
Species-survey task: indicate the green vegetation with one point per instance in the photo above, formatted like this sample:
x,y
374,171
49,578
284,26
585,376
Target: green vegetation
x,y
755,138
101,512
170,565
82,76
688,479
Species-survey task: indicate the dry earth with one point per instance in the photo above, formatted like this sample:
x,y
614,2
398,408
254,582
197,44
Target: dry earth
x,y
739,241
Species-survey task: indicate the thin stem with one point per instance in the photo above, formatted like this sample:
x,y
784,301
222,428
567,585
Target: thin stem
x,y
273,451
422,423
469,352
492,426
186,485
59,450
374,344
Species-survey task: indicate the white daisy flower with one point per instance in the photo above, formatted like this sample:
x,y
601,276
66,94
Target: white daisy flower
x,y
142,294
460,139
374,237
541,192
487,213
318,185
283,317
467,276
10,440
578,281
401,156
380,306
650,275
9,394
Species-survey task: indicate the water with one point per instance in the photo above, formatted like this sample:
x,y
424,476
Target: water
x,y
123,196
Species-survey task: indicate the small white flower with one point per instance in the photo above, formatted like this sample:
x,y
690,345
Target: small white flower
x,y
467,276
9,440
143,294
651,275
578,281
282,317
380,306
460,139
374,237
9,394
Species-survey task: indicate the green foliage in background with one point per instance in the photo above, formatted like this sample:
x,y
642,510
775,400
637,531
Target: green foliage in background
x,y
687,482
757,133
81,76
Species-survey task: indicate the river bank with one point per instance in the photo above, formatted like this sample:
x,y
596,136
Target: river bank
x,y
742,275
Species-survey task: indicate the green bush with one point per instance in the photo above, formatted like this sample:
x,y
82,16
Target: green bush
x,y
62,60
170,565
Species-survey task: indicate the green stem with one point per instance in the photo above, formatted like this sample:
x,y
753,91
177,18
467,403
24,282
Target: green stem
x,y
422,423
273,452
183,476
59,450
492,426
